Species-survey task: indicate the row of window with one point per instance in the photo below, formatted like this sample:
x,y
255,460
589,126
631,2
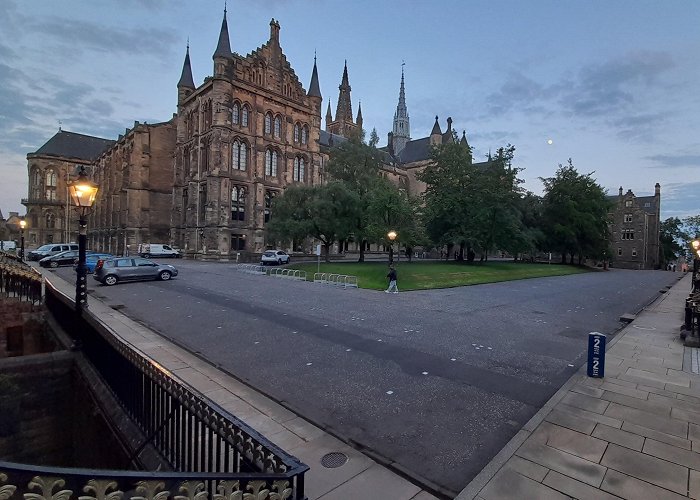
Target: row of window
x,y
239,161
627,234
634,252
240,116
238,202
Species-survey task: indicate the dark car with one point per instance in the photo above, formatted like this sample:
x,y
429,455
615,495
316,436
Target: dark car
x,y
91,260
66,258
112,271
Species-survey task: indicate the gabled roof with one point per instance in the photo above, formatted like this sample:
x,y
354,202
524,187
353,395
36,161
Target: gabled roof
x,y
416,150
72,145
328,139
640,202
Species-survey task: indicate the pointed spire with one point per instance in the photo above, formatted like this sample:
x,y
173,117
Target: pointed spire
x,y
436,127
223,48
186,76
314,88
402,91
359,112
464,142
329,116
345,82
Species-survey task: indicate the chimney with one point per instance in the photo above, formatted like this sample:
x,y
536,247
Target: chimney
x,y
620,191
657,189
275,31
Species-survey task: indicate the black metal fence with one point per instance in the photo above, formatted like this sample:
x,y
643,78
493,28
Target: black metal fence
x,y
217,456
18,280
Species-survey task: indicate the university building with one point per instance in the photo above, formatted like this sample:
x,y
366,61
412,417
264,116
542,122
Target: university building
x,y
205,180
634,229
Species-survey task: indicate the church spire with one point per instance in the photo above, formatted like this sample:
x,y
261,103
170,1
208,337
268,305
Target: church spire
x,y
314,88
401,132
223,48
186,80
359,115
343,124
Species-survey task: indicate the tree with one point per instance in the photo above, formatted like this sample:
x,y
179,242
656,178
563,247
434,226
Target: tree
x,y
373,138
390,208
692,225
673,240
327,213
575,213
357,166
447,216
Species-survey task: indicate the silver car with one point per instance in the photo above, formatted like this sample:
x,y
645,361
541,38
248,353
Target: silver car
x,y
112,271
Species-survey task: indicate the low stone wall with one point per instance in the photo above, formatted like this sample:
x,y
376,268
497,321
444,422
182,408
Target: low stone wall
x,y
23,329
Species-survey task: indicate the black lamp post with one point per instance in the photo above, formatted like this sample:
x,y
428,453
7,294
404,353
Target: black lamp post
x,y
22,225
392,236
82,193
696,262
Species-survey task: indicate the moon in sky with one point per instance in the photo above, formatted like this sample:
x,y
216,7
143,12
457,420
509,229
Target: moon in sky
x,y
550,141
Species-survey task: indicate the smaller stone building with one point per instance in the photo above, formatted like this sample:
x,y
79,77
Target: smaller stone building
x,y
135,176
634,229
50,216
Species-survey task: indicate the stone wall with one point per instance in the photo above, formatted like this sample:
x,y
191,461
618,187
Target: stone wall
x,y
22,329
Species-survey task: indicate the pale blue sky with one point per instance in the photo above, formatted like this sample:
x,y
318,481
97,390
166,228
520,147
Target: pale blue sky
x,y
613,84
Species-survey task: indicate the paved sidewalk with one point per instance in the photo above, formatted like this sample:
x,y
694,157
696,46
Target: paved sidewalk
x,y
634,434
359,478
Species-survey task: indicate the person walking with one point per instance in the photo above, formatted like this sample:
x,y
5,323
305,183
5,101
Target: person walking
x,y
392,281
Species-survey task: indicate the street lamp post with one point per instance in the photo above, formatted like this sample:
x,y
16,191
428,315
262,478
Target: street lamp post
x,y
696,261
82,193
22,225
392,236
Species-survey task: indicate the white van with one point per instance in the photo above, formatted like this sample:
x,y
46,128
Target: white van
x,y
157,250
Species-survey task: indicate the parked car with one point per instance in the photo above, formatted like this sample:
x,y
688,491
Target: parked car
x,y
91,260
274,257
148,250
112,271
60,259
50,249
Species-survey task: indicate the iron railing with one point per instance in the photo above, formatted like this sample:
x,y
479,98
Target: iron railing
x,y
18,280
217,456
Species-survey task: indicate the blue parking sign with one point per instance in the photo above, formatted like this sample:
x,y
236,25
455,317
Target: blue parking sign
x,y
596,355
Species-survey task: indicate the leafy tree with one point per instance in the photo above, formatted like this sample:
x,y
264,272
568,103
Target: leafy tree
x,y
373,138
357,166
327,213
390,208
447,177
672,239
575,214
692,225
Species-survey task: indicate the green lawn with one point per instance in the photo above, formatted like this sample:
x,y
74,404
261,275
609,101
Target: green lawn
x,y
429,275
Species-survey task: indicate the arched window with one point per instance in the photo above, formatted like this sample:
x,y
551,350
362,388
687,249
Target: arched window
x,y
296,132
36,184
278,126
240,155
244,116
268,123
299,167
238,203
50,185
271,163
305,135
235,113
50,220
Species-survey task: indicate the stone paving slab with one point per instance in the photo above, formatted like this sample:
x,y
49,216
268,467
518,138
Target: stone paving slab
x,y
630,435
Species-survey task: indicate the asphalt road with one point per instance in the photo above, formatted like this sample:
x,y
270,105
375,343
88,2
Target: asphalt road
x,y
435,382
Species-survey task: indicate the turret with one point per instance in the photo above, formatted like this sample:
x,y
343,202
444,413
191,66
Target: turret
x,y
464,142
223,58
186,84
436,134
329,117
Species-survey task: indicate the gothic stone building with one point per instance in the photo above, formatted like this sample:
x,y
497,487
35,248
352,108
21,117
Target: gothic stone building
x,y
634,228
50,216
135,176
243,136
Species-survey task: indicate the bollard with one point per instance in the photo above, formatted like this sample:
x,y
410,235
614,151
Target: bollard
x,y
596,355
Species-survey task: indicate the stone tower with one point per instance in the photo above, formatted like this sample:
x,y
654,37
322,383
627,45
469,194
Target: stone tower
x,y
343,123
401,132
